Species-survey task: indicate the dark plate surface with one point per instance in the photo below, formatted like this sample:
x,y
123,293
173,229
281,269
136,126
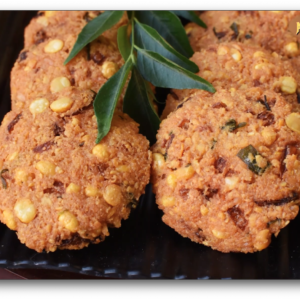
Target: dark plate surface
x,y
143,247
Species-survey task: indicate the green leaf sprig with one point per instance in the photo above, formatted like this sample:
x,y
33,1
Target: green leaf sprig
x,y
157,51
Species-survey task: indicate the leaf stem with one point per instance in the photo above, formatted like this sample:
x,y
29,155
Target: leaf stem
x,y
132,56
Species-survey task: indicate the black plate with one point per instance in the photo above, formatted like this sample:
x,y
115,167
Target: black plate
x,y
143,247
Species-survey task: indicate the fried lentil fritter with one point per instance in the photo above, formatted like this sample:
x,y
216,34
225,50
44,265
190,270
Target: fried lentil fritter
x,y
226,168
59,190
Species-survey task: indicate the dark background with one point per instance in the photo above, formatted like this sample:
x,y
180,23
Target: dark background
x,y
143,247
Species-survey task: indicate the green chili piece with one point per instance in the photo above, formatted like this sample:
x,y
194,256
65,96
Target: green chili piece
x,y
235,29
165,156
266,103
4,184
214,141
241,125
247,155
231,125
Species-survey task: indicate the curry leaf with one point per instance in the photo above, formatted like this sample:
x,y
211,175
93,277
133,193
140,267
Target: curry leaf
x,y
189,15
107,98
94,29
123,42
129,14
162,72
157,52
137,104
149,39
169,27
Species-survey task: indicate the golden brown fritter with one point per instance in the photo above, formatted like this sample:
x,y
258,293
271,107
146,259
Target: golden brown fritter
x,y
59,189
226,168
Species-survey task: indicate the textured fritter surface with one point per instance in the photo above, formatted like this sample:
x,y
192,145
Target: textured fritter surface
x,y
50,23
240,66
49,39
206,191
267,29
58,188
